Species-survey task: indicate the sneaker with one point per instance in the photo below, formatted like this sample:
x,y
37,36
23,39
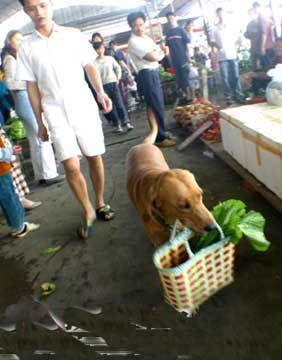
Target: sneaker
x,y
34,205
56,180
129,127
166,143
119,130
28,227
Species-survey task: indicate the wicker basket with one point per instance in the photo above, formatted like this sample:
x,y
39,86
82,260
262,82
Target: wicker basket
x,y
190,279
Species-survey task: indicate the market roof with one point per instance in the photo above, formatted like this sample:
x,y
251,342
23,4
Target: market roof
x,y
107,16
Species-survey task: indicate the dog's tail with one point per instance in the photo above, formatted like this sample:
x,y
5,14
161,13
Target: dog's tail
x,y
151,138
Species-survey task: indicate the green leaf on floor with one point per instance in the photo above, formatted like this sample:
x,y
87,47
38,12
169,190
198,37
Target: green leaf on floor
x,y
50,250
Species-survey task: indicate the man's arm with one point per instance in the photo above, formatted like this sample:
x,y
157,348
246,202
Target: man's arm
x,y
35,101
95,80
117,69
155,55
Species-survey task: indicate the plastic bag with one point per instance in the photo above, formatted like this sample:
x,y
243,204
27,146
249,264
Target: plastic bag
x,y
274,88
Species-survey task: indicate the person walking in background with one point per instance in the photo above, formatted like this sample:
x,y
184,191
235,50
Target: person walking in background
x,y
42,154
146,56
225,39
177,40
110,72
126,73
52,60
254,34
260,32
9,200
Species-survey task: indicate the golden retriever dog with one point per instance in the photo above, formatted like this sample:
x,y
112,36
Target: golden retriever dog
x,y
161,195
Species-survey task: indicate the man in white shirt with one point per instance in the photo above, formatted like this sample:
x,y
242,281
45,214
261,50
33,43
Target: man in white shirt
x,y
145,54
225,39
52,60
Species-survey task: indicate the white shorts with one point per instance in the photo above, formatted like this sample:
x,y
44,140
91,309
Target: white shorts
x,y
87,139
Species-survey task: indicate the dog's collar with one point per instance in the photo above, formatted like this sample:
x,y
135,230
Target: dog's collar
x,y
161,220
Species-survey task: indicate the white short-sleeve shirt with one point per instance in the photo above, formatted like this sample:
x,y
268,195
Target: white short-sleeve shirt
x,y
57,65
138,47
226,37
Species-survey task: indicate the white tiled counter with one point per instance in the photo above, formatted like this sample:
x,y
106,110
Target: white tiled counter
x,y
252,135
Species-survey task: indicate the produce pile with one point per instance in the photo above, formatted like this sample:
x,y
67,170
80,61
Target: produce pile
x,y
236,222
166,75
245,66
197,114
15,129
249,98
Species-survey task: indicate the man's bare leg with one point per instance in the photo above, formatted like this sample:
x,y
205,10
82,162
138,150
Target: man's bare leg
x,y
97,175
78,186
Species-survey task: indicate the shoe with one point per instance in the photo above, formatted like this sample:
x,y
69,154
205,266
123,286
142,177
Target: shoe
x,y
229,101
119,130
47,182
35,204
169,135
28,227
129,127
166,143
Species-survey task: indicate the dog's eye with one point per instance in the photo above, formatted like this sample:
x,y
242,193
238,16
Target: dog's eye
x,y
185,206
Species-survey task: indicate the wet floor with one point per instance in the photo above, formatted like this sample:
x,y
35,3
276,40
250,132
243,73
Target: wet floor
x,y
114,272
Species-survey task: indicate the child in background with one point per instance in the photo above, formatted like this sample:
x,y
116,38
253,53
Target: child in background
x,y
9,200
199,57
110,72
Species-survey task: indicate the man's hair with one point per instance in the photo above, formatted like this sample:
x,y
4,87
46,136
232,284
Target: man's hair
x,y
189,22
256,4
170,13
132,17
97,34
22,2
219,10
196,48
112,42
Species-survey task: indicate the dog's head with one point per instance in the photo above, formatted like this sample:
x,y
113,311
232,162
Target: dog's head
x,y
178,196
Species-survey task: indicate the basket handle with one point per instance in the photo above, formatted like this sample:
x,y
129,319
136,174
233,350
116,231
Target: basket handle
x,y
188,248
188,231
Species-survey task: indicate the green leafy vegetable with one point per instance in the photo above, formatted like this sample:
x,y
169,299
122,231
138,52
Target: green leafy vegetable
x,y
252,226
232,217
16,129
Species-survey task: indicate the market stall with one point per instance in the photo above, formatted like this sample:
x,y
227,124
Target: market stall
x,y
252,135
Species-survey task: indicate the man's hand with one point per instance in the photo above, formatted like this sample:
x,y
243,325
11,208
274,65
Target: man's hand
x,y
17,149
160,53
43,133
105,101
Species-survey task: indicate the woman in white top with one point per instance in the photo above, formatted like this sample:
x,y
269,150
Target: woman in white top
x,y
110,72
42,154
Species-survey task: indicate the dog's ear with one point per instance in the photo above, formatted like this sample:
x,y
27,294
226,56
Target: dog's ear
x,y
154,201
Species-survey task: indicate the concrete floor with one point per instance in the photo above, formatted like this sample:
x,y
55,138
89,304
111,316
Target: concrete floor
x,y
114,270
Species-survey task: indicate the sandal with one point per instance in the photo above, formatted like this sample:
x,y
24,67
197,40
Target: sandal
x,y
105,213
85,229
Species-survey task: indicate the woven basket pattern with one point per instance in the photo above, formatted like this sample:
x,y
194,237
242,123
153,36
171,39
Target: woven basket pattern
x,y
188,282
